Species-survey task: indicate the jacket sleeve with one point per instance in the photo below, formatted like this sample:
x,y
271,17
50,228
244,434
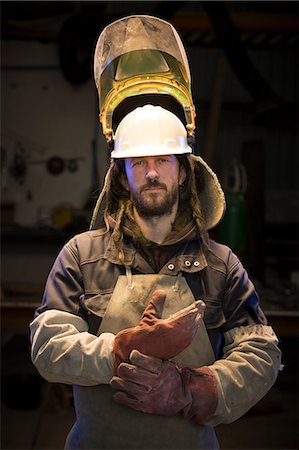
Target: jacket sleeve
x,y
62,349
251,357
248,369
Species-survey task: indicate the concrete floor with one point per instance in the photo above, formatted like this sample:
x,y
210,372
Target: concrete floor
x,y
272,425
38,415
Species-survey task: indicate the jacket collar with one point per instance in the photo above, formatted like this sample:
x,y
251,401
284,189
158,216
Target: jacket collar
x,y
185,234
191,259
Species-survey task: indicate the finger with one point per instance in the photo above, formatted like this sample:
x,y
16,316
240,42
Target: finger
x,y
149,363
201,307
139,375
124,366
120,384
197,309
154,309
187,319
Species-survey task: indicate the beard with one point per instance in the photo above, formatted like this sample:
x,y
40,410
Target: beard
x,y
151,204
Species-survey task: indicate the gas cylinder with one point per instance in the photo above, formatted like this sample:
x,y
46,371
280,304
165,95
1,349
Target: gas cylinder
x,y
233,229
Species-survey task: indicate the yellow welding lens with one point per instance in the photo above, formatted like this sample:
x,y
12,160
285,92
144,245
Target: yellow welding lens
x,y
141,55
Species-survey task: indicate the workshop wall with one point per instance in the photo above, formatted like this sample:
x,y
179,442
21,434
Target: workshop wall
x,y
45,117
239,122
49,128
54,157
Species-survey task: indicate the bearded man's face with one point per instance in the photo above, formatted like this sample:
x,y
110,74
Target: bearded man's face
x,y
153,182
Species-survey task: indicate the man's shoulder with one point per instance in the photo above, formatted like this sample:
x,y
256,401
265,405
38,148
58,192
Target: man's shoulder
x,y
218,248
220,254
89,244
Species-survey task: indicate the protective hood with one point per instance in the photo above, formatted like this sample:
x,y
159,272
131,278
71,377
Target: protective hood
x,y
211,195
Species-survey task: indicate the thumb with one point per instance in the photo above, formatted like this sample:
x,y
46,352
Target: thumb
x,y
143,361
154,309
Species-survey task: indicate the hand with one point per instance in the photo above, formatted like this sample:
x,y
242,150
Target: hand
x,y
161,338
151,385
160,387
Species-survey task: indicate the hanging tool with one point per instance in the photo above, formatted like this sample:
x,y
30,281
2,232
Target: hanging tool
x,y
19,165
56,165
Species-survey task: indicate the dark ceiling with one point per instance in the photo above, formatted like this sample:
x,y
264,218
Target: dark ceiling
x,y
44,20
234,26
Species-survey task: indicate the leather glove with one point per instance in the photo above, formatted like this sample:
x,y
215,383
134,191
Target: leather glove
x,y
162,338
160,387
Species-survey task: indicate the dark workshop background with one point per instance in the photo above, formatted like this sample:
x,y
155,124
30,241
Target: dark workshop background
x,y
243,58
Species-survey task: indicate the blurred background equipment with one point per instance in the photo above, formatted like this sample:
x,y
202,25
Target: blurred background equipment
x,y
233,229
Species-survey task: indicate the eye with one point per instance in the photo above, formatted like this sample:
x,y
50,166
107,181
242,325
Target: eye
x,y
163,160
137,163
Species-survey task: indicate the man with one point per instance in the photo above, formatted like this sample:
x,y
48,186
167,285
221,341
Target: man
x,y
121,318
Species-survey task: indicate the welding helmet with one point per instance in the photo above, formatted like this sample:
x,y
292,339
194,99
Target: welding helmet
x,y
140,56
149,131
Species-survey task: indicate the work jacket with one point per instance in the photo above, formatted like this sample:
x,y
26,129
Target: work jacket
x,y
65,347
69,347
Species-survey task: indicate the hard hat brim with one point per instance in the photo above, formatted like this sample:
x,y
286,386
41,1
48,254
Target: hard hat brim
x,y
136,152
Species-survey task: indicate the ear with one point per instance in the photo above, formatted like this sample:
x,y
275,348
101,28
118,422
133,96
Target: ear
x,y
124,181
182,174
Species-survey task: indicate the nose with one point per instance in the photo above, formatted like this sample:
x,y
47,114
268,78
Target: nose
x,y
151,173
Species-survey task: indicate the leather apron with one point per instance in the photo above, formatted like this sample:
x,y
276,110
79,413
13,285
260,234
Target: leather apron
x,y
102,423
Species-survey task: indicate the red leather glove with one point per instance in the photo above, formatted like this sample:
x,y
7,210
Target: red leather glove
x,y
162,338
160,387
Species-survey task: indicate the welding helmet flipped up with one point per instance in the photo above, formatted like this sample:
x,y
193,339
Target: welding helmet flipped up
x,y
141,56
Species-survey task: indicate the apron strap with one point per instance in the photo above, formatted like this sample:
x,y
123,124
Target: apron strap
x,y
196,283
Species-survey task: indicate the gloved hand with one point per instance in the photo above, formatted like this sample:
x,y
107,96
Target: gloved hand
x,y
162,338
160,387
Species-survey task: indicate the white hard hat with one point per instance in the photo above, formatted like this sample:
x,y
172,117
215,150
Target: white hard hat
x,y
150,131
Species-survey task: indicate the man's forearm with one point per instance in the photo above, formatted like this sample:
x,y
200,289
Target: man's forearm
x,y
249,367
64,351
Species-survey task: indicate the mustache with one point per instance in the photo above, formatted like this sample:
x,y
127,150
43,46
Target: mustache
x,y
153,183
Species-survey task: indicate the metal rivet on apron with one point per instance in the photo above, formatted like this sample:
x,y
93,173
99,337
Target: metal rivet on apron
x,y
187,263
170,266
196,263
